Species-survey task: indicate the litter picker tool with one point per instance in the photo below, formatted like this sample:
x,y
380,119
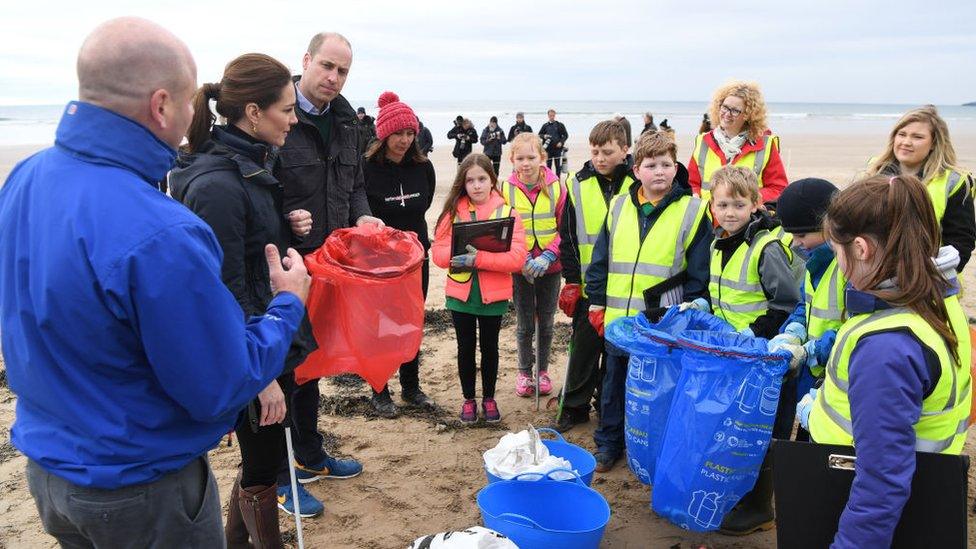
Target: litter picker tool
x,y
294,487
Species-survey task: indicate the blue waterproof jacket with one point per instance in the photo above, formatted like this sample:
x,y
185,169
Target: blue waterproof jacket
x,y
128,355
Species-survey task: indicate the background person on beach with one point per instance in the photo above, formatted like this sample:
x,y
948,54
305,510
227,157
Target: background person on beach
x,y
369,125
492,139
649,125
554,136
128,355
741,138
400,184
256,97
919,145
425,141
320,170
899,377
464,136
606,174
477,299
519,127
617,117
539,197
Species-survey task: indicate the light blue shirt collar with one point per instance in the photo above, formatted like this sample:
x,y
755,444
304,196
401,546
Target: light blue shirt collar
x,y
307,106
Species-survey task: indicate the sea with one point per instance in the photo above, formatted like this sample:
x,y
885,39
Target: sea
x,y
35,124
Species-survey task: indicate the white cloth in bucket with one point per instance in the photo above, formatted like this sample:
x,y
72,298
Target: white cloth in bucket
x,y
524,452
476,537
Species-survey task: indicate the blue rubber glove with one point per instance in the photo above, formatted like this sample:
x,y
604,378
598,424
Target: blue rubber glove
x,y
804,407
747,331
818,349
465,260
796,330
699,304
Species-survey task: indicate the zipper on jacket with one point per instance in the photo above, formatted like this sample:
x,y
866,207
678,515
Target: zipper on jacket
x,y
633,272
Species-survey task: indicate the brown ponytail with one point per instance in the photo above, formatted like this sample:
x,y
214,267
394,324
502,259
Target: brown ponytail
x,y
251,78
898,215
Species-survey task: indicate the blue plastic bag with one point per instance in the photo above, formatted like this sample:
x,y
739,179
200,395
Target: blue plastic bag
x,y
719,428
652,373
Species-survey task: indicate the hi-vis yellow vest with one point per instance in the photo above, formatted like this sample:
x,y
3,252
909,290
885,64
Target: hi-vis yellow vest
x,y
736,291
709,162
941,428
499,212
940,188
636,265
590,214
824,305
539,219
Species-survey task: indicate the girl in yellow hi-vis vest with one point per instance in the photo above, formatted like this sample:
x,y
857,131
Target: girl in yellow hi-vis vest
x,y
753,286
898,379
477,298
919,145
539,197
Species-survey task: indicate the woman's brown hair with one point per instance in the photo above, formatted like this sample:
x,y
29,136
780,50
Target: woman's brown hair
x,y
458,190
377,151
251,78
897,214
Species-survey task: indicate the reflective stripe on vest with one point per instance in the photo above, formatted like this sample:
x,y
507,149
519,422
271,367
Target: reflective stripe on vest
x,y
824,305
499,212
940,188
942,424
538,218
590,208
709,162
736,291
638,264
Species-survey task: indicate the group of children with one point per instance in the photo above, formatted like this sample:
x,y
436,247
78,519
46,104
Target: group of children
x,y
629,236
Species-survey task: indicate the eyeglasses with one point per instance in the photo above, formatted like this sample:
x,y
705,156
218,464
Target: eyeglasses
x,y
734,113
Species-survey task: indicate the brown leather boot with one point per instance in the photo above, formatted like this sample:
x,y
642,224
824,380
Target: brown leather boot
x,y
259,508
235,532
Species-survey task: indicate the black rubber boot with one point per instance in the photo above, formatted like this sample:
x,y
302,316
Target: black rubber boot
x,y
754,512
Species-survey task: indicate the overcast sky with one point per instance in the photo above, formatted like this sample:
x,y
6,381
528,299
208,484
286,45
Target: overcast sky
x,y
827,51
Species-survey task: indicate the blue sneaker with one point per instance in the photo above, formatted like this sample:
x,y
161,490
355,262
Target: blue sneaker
x,y
330,467
308,505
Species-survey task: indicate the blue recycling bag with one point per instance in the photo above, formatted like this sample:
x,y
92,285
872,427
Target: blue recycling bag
x,y
719,428
652,373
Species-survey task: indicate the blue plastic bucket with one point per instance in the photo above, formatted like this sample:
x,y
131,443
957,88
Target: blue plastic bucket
x,y
581,460
545,513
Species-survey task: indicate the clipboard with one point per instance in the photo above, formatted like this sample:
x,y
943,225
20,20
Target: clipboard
x,y
490,235
812,482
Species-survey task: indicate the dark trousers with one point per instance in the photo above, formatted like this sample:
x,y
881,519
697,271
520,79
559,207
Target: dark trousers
x,y
609,434
470,329
181,509
306,439
586,353
555,160
410,371
496,162
262,452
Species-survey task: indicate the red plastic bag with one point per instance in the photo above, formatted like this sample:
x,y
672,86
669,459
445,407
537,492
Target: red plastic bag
x,y
366,304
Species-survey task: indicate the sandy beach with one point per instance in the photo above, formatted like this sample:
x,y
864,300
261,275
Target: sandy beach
x,y
423,470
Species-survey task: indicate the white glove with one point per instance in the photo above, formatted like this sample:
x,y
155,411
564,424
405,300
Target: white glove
x,y
781,341
804,407
699,304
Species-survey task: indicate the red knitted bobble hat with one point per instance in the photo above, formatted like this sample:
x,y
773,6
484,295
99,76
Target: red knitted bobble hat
x,y
394,116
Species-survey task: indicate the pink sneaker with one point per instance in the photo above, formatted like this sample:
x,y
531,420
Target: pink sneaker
x,y
469,411
490,409
524,385
545,384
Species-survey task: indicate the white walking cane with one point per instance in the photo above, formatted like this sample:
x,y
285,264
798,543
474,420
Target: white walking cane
x,y
294,487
